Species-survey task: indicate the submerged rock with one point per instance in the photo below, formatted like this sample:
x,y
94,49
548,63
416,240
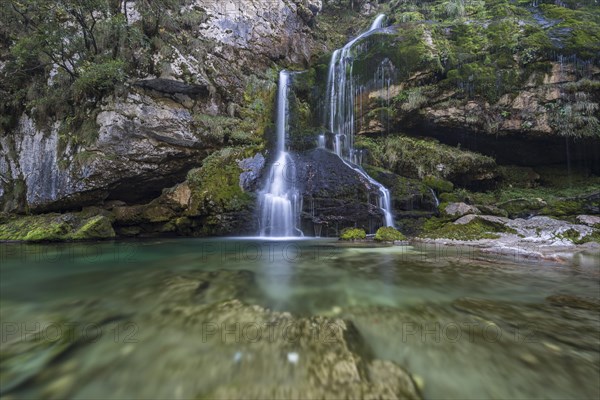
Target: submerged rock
x,y
312,357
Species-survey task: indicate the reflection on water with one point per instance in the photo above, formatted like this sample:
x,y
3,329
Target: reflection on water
x,y
192,318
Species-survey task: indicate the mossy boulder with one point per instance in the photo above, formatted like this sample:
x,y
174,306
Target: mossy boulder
x,y
388,234
472,228
98,227
56,227
218,200
353,234
523,207
563,207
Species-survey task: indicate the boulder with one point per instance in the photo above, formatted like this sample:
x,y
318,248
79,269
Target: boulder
x,y
589,220
460,209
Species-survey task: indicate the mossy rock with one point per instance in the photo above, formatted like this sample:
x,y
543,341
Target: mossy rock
x,y
420,158
353,234
56,227
562,208
216,185
388,234
518,208
54,231
438,184
98,227
473,230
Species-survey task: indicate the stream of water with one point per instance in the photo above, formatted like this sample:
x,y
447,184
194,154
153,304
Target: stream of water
x,y
341,122
280,200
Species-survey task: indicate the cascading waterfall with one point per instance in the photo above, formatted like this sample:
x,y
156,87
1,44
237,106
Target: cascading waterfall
x,y
340,95
280,201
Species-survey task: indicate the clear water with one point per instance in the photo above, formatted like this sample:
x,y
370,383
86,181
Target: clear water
x,y
464,324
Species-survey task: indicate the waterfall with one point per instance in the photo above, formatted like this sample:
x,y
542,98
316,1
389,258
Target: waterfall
x,y
435,198
340,95
280,201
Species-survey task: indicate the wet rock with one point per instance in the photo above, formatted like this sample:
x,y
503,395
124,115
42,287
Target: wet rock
x,y
583,303
252,167
335,195
312,357
174,288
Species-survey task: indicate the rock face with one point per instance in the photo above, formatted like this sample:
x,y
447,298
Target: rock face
x,y
142,146
147,139
334,195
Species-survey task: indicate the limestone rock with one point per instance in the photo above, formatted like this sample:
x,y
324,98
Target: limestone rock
x,y
460,209
590,220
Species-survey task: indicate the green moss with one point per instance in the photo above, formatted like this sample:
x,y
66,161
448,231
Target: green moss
x,y
561,208
98,227
418,158
439,185
216,185
56,227
522,207
353,234
476,229
53,232
257,110
569,234
388,234
593,237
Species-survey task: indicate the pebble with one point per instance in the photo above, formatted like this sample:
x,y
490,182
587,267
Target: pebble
x,y
419,381
237,357
529,358
293,357
60,388
127,349
552,347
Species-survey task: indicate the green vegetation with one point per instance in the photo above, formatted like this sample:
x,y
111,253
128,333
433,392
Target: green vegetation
x,y
388,234
64,57
550,191
421,158
476,229
437,184
216,185
56,227
353,234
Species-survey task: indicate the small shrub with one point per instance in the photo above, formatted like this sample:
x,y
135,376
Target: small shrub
x,y
353,234
388,234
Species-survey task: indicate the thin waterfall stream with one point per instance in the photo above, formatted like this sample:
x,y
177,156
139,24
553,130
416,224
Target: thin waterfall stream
x,y
340,97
